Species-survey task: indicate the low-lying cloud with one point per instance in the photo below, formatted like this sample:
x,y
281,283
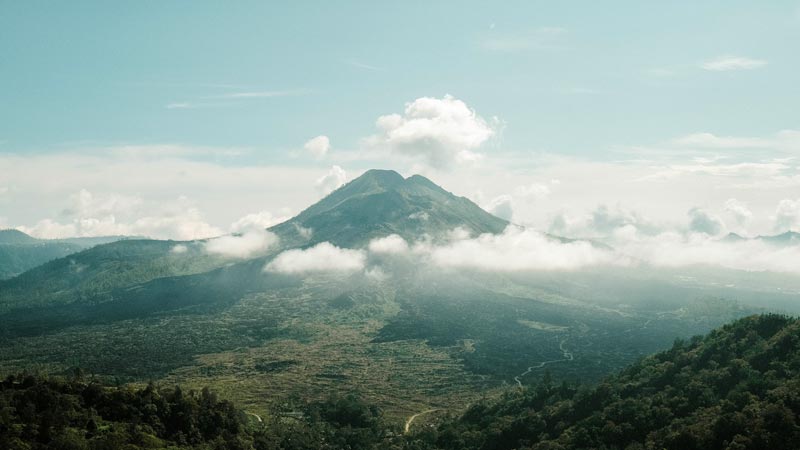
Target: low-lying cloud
x,y
323,257
249,244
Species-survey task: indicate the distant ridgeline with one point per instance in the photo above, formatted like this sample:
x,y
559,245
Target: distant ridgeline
x,y
736,388
20,252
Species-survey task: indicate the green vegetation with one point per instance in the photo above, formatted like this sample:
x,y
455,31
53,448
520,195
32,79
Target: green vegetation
x,y
737,388
20,252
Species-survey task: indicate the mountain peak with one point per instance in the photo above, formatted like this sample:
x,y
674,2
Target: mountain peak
x,y
382,202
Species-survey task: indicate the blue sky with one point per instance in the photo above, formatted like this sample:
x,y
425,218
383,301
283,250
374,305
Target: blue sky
x,y
572,77
651,109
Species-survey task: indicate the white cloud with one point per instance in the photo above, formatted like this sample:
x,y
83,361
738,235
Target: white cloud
x,y
701,221
179,248
318,147
517,249
725,63
710,140
787,215
739,210
112,214
262,219
392,244
440,132
502,206
252,243
534,191
323,257
334,179
602,222
676,250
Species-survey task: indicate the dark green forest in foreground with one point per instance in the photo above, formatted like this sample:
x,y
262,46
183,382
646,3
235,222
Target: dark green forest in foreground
x,y
736,388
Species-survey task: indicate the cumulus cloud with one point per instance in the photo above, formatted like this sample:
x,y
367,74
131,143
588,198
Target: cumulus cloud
x,y
603,222
726,63
518,249
787,215
392,244
318,147
438,131
323,257
252,243
502,206
701,221
334,179
739,211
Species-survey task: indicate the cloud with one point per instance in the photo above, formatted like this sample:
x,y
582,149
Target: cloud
x,y
440,132
787,215
518,249
249,244
725,63
232,98
676,250
603,222
502,206
739,210
701,221
318,147
263,219
392,244
334,179
323,257
88,214
179,248
538,39
709,140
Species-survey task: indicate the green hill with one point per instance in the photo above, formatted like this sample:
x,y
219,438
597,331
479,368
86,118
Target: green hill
x,y
20,252
736,388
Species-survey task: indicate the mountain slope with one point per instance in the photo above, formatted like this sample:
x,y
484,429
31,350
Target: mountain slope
x,y
382,202
20,252
736,388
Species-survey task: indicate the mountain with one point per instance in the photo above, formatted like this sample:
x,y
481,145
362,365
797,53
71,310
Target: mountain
x,y
382,202
20,252
787,238
783,239
408,335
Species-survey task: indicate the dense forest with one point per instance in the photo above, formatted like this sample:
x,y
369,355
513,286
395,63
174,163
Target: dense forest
x,y
737,388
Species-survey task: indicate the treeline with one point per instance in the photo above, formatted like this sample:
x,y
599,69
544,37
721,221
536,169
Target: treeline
x,y
737,388
73,414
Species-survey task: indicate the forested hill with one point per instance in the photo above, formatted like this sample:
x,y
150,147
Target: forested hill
x,y
737,388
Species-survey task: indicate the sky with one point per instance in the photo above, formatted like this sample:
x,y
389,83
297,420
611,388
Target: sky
x,y
188,120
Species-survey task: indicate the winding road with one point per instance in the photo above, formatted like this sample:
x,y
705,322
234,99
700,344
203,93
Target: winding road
x,y
567,357
411,419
